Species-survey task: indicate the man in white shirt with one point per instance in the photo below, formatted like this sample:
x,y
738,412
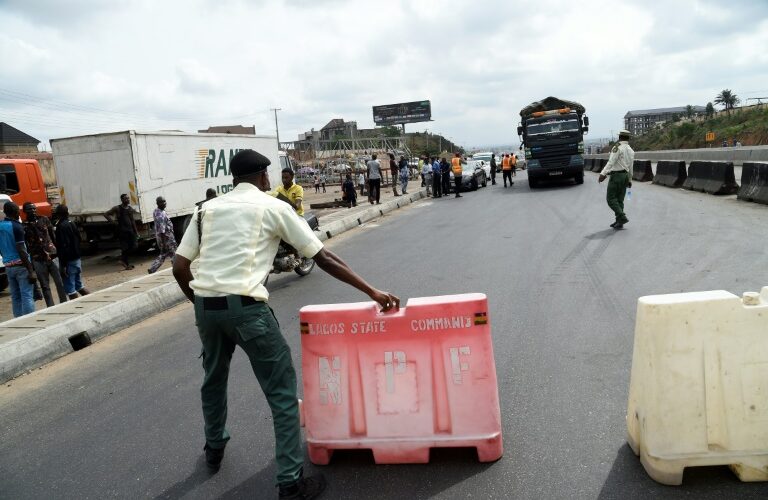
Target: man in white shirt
x,y
374,180
619,168
235,240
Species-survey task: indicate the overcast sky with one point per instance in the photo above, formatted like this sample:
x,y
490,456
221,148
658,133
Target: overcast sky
x,y
88,66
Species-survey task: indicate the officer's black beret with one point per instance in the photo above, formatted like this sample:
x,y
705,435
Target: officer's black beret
x,y
247,162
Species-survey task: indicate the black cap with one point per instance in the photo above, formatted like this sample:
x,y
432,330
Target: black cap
x,y
247,162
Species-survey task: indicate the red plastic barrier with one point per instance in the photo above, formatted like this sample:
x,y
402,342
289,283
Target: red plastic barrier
x,y
400,383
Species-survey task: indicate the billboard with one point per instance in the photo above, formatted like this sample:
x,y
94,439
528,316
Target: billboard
x,y
405,112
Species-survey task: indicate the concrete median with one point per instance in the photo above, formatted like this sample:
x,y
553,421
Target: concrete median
x,y
599,164
670,173
32,341
754,183
713,177
642,171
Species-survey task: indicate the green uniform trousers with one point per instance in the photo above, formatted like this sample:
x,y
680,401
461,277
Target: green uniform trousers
x,y
617,189
255,329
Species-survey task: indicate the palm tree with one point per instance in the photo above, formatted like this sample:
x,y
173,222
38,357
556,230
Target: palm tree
x,y
727,98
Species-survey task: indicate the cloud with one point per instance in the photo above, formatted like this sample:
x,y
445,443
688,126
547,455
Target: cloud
x,y
188,65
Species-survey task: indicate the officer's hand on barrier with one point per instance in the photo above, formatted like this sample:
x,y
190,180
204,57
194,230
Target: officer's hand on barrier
x,y
386,300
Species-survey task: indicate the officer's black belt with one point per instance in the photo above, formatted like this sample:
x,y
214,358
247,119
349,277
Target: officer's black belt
x,y
220,303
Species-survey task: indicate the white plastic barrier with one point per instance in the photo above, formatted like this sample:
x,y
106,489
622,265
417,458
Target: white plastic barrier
x,y
699,388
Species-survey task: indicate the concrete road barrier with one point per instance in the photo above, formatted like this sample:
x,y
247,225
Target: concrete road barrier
x,y
698,393
754,183
599,164
642,171
588,164
670,173
713,177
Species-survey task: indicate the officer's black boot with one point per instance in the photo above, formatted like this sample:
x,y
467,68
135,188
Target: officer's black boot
x,y
304,489
213,457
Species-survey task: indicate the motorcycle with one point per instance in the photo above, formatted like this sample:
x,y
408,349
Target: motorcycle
x,y
287,258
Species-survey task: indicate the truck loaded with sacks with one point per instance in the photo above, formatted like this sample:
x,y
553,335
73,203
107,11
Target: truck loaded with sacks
x,y
552,133
94,170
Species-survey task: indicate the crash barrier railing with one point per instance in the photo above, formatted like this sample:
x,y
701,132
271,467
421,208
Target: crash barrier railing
x,y
698,393
588,164
754,182
642,171
400,383
713,177
670,173
599,164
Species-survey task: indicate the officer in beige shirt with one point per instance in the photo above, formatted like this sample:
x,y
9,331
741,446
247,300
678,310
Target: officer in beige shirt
x,y
235,240
619,169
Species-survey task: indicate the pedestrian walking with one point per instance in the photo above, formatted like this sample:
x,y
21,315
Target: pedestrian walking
x,y
374,180
458,172
236,248
127,232
445,176
394,172
68,246
404,174
506,170
317,183
361,183
348,191
493,169
322,181
166,240
437,178
426,176
18,265
513,163
421,170
619,169
40,237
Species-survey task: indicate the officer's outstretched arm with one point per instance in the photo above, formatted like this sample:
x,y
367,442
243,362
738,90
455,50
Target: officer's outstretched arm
x,y
182,271
333,265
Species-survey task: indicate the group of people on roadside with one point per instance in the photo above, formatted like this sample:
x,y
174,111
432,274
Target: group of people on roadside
x,y
36,252
436,175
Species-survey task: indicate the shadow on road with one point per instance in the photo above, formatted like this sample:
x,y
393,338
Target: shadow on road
x,y
197,477
601,235
354,475
628,480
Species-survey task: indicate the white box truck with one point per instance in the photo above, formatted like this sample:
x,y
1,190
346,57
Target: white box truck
x,y
94,170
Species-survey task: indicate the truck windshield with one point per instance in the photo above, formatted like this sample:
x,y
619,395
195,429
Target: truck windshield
x,y
553,127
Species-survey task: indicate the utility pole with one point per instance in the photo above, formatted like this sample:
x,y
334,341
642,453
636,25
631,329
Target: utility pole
x,y
277,130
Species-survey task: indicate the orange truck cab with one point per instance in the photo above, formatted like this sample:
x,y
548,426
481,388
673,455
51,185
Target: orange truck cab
x,y
22,180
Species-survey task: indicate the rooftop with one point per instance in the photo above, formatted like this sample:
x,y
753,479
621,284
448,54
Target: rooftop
x,y
661,111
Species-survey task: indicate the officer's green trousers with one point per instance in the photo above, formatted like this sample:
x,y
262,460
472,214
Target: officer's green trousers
x,y
255,329
617,189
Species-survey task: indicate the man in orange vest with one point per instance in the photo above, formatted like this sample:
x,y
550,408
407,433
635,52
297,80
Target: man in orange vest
x,y
457,173
506,169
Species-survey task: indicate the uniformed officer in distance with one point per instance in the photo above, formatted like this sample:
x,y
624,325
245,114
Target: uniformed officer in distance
x,y
619,169
240,232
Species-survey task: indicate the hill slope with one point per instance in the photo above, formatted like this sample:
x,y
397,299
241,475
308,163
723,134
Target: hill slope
x,y
748,125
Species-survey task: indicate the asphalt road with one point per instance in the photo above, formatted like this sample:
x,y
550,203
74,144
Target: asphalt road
x,y
121,419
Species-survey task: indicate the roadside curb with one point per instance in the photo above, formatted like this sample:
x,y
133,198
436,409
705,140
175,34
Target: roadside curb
x,y
34,340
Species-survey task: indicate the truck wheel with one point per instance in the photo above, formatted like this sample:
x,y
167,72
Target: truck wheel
x,y
532,183
180,225
580,179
